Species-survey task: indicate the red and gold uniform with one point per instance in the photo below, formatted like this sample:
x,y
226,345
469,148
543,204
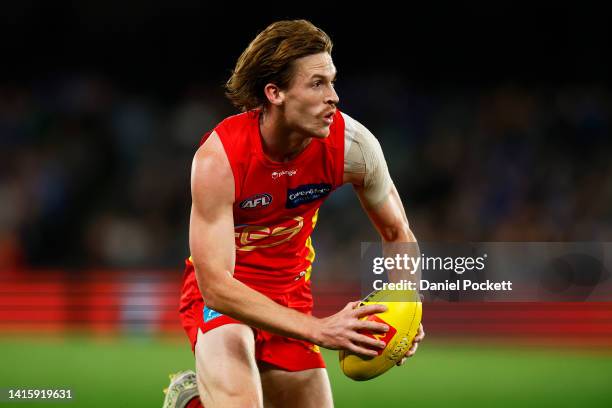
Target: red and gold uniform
x,y
275,211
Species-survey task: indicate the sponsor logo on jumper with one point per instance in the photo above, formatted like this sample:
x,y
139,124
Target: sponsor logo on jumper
x,y
289,173
258,200
252,237
306,193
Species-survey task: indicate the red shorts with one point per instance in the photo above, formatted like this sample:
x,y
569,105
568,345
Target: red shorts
x,y
283,352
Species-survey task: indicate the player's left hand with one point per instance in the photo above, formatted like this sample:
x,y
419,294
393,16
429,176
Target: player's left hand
x,y
415,345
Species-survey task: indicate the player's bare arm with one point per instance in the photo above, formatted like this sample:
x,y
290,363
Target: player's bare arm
x,y
213,252
389,218
366,170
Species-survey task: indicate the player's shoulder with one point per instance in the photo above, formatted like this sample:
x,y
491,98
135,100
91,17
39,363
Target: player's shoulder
x,y
211,171
238,134
211,154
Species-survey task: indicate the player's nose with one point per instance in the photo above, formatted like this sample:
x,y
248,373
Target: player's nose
x,y
332,97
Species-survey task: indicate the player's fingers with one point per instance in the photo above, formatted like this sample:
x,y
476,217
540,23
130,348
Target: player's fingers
x,y
420,335
371,326
368,310
412,350
352,305
368,341
362,350
401,362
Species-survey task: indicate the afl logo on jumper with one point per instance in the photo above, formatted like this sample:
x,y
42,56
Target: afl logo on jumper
x,y
306,193
258,200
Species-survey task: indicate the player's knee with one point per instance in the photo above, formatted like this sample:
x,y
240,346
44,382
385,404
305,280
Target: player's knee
x,y
226,368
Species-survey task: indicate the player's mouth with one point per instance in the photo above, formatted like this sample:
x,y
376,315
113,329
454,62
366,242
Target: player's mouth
x,y
329,118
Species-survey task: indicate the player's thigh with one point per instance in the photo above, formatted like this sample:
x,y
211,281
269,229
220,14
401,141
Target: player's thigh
x,y
226,368
296,389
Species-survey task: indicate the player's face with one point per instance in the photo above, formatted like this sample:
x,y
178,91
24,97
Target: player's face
x,y
310,101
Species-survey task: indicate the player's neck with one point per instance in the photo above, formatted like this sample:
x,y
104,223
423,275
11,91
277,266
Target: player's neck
x,y
279,142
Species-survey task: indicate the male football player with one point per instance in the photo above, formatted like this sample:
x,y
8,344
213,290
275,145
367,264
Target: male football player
x,y
258,180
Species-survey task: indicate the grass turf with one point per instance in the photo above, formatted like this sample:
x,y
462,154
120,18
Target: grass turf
x,y
126,372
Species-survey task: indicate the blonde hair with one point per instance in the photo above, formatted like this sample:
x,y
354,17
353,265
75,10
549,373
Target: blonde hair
x,y
269,59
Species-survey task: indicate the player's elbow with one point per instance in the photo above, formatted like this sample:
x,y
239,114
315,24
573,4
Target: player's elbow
x,y
210,296
214,297
399,232
215,293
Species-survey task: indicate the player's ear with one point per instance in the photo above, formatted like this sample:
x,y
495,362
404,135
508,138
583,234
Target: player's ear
x,y
274,94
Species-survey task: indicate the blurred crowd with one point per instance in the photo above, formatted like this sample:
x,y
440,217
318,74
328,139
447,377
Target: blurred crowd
x,y
93,175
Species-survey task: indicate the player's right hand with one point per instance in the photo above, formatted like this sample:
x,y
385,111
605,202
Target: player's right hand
x,y
341,330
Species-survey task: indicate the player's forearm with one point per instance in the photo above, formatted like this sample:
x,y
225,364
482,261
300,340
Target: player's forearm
x,y
233,298
400,240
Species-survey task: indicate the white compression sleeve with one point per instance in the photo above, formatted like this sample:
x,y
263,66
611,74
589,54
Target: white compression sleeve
x,y
363,155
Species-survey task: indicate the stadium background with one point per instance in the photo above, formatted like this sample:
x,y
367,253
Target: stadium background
x,y
495,122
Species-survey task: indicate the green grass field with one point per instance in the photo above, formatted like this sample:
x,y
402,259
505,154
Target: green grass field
x,y
132,372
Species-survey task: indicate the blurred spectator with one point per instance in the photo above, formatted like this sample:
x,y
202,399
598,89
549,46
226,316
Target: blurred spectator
x,y
92,175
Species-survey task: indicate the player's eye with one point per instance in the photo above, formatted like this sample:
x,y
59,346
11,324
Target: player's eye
x,y
317,84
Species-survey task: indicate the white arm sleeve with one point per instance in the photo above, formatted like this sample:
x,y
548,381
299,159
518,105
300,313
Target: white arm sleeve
x,y
363,156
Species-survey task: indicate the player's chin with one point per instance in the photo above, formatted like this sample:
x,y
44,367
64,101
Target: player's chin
x,y
321,132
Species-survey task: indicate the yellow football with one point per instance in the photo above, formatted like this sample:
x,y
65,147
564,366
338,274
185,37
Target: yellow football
x,y
402,317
